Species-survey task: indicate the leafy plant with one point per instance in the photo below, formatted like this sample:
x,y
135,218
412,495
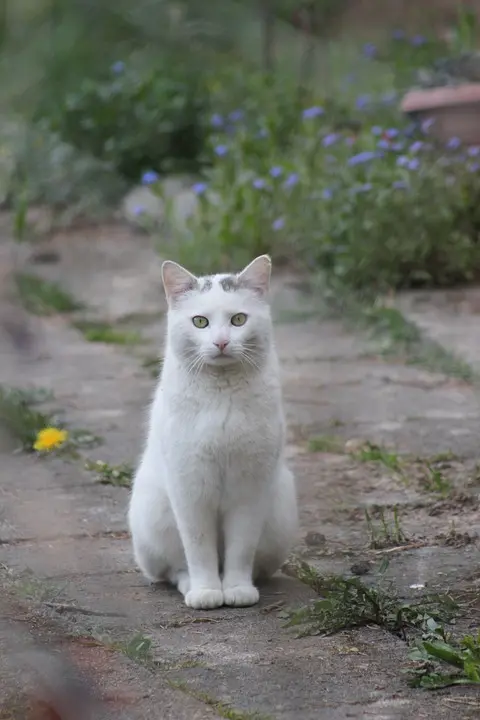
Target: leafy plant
x,y
106,474
432,657
42,297
388,531
19,417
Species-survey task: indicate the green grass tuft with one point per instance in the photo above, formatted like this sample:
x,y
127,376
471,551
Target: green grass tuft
x,y
41,297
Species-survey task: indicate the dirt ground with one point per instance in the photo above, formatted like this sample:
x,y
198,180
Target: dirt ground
x,y
67,575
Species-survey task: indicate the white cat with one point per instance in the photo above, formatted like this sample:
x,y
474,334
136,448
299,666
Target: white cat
x,y
213,505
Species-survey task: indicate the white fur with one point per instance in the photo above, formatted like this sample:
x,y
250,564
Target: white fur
x,y
213,505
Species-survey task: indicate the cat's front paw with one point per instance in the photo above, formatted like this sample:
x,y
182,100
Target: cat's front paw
x,y
240,595
204,599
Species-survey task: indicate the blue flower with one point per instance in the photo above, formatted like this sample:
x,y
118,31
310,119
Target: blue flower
x,y
291,180
150,177
118,67
330,139
384,145
400,185
398,146
418,40
402,161
199,188
312,112
376,130
473,151
327,194
416,146
138,210
216,120
369,50
474,167
258,183
276,171
236,115
278,224
362,101
454,143
413,164
363,157
427,124
221,150
398,34
391,133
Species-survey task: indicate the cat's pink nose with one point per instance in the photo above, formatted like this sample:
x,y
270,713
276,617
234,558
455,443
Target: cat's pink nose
x,y
221,345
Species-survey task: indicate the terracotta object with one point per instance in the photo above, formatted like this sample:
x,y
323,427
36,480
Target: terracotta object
x,y
455,111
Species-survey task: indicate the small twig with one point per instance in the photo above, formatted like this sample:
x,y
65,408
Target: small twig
x,y
63,607
463,701
410,546
274,606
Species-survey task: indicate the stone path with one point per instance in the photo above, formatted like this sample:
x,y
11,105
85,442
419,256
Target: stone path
x,y
63,536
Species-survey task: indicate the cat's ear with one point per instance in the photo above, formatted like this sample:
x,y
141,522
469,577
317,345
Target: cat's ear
x,y
256,276
176,280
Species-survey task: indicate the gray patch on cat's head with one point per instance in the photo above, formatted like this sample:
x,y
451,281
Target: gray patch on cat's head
x,y
206,284
230,283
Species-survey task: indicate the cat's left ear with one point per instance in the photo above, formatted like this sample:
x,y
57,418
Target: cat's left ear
x,y
256,275
176,280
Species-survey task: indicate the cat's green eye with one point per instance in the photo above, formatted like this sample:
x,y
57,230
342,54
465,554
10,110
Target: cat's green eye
x,y
200,322
239,319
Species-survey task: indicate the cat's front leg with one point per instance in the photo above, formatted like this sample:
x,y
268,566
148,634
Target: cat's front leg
x,y
242,527
193,503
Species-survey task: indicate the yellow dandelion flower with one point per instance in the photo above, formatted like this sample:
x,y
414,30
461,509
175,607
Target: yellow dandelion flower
x,y
50,438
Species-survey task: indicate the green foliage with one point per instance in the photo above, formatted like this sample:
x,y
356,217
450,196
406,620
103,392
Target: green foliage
x,y
136,118
42,297
440,661
106,474
20,418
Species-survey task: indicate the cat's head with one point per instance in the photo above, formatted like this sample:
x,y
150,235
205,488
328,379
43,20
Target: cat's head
x,y
219,320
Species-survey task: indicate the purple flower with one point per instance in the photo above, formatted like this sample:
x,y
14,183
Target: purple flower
x,y
454,143
349,141
369,50
400,185
416,146
216,120
391,133
362,101
473,151
402,161
138,210
278,224
199,188
258,183
427,124
418,40
149,178
291,180
384,145
312,112
363,157
366,187
330,139
221,150
236,115
398,34
473,167
118,67
413,164
398,146
376,130
276,171
327,194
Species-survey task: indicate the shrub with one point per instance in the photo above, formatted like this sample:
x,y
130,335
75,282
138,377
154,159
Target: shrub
x,y
136,118
375,208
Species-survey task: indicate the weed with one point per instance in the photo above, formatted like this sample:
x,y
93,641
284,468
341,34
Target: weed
x,y
153,364
388,532
19,418
105,333
348,603
434,481
438,651
41,297
221,709
374,453
139,649
326,444
117,475
80,438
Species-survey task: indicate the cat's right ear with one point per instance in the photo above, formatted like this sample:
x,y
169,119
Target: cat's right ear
x,y
176,280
